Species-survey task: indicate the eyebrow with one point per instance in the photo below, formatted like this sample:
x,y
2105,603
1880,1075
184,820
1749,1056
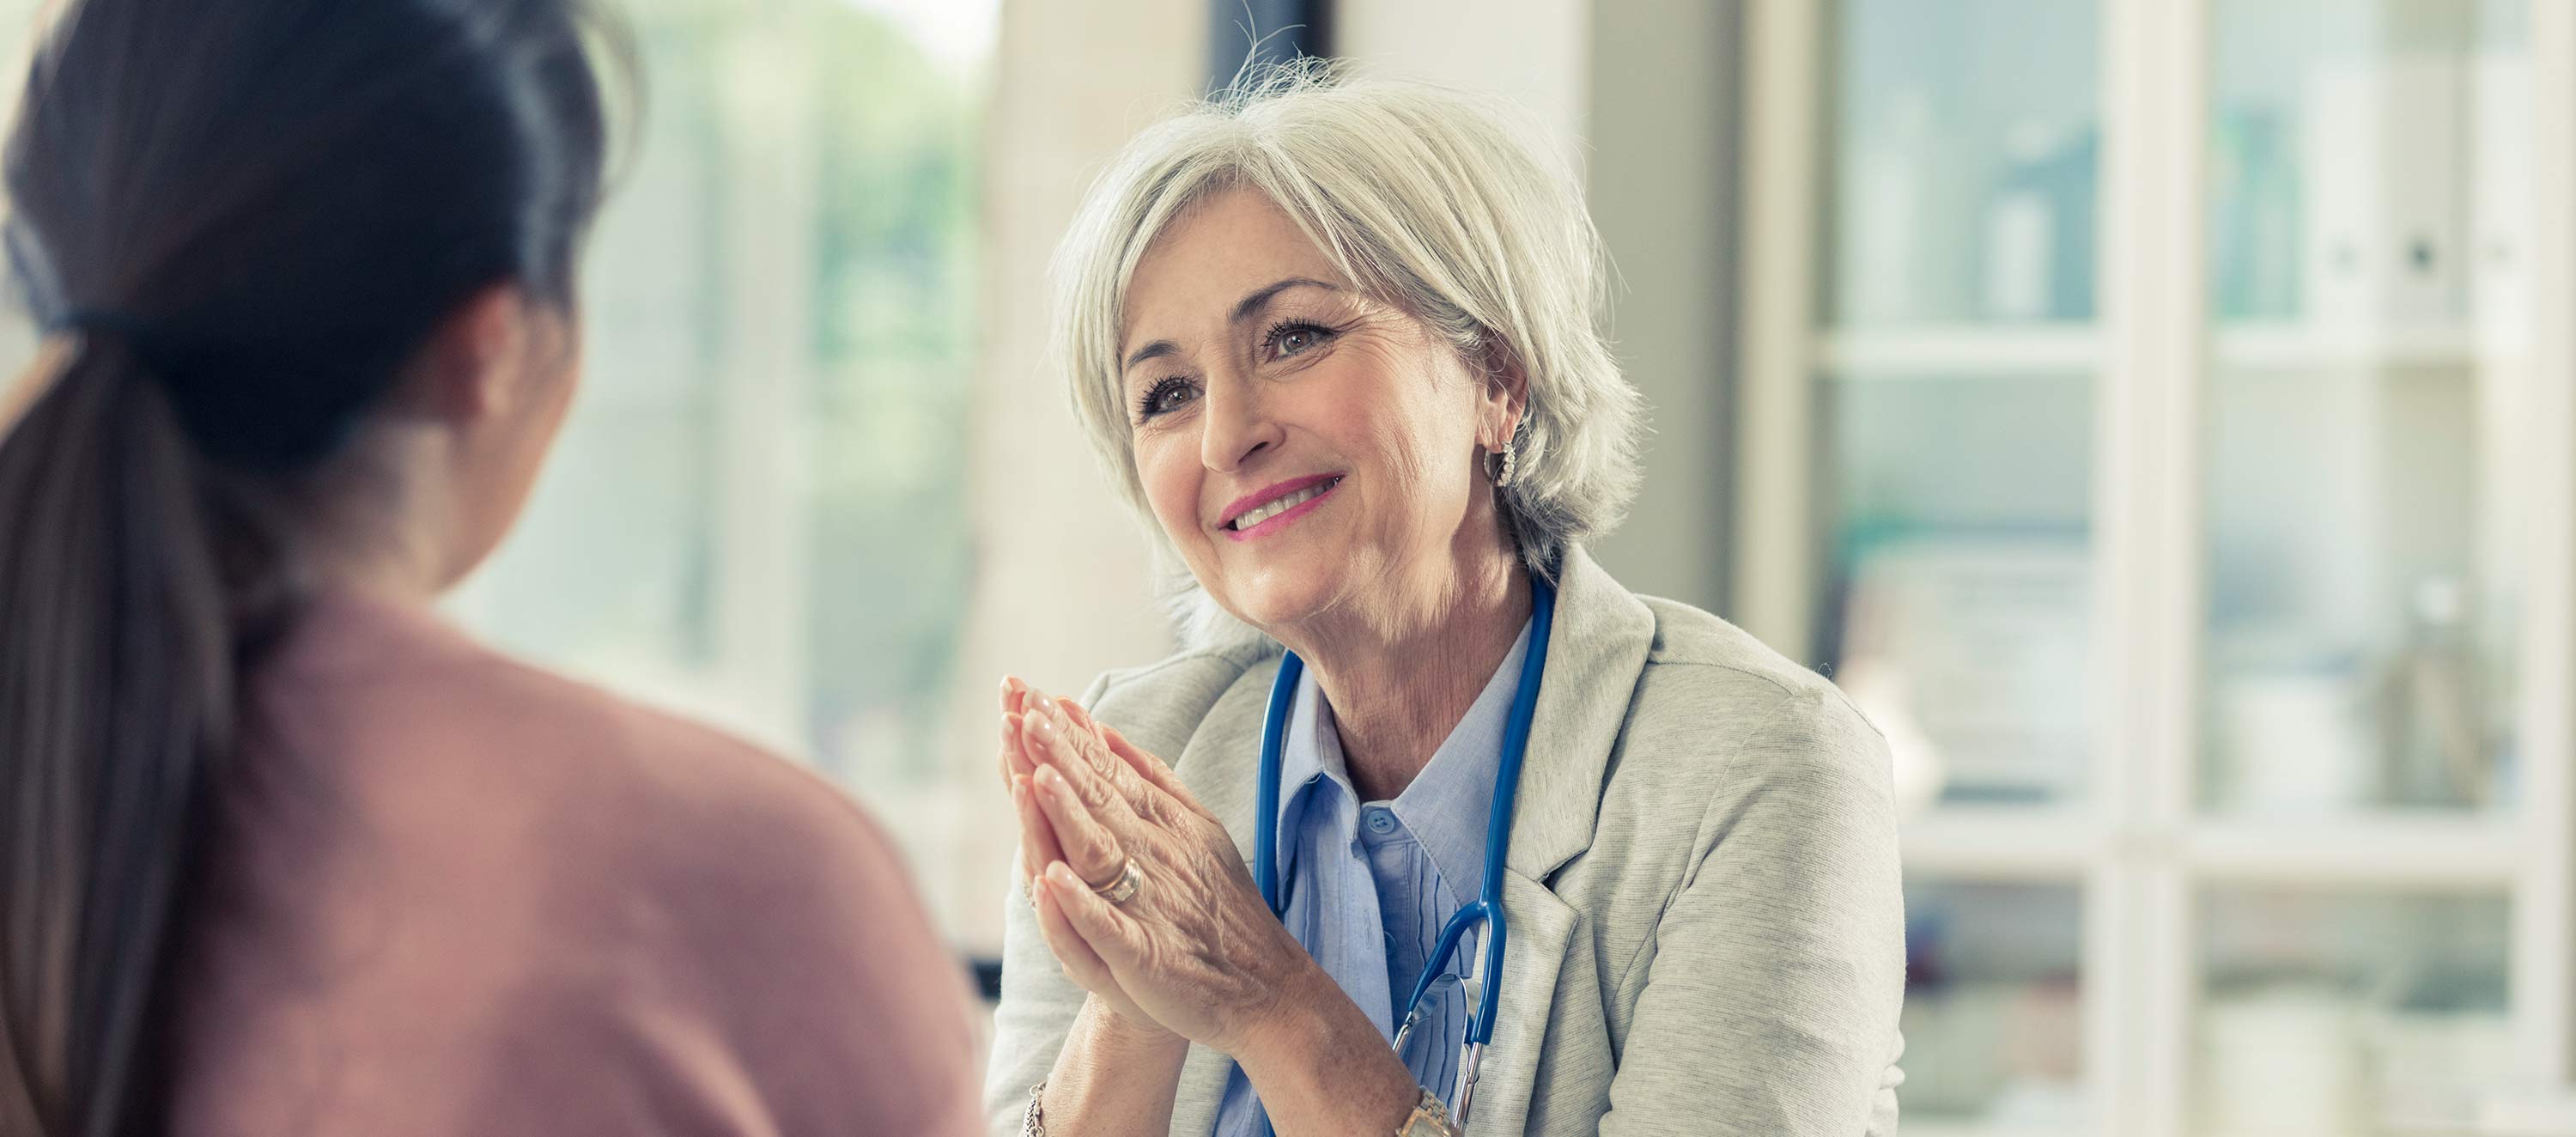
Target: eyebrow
x,y
1244,309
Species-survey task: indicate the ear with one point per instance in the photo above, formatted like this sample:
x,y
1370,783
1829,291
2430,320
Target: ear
x,y
474,361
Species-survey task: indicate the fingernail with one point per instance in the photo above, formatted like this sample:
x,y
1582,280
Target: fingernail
x,y
1049,780
1044,725
1060,873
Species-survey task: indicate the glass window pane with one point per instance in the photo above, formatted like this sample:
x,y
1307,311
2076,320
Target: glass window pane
x,y
2330,1014
1958,606
1966,143
2370,219
1994,1028
1954,460
609,573
757,512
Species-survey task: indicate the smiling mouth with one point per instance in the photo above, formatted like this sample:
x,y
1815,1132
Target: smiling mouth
x,y
1252,518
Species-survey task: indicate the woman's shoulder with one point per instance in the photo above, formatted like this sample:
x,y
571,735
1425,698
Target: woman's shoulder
x,y
682,907
1727,742
418,718
1713,696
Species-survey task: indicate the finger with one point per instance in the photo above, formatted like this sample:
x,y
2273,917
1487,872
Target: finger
x,y
1088,845
1015,693
1080,715
1038,845
1147,766
1084,758
1160,775
1015,754
1007,758
1081,964
1102,928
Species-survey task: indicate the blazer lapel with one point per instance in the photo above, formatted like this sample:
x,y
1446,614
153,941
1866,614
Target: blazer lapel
x,y
1536,938
1595,654
1221,765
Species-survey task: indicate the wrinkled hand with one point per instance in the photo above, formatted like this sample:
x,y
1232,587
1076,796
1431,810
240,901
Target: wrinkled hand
x,y
1195,949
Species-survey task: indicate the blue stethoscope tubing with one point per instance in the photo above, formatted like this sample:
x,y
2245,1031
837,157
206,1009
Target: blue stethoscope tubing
x,y
1488,905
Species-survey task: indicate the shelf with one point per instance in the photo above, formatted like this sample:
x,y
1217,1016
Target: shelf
x,y
2016,843
1968,350
2037,350
2391,848
1946,1127
2380,849
2293,347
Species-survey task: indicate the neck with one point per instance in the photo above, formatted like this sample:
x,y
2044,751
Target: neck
x,y
1399,681
379,525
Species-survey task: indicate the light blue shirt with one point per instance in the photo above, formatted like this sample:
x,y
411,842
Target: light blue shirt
x,y
1370,885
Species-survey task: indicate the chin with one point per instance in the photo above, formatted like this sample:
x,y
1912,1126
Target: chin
x,y
1279,594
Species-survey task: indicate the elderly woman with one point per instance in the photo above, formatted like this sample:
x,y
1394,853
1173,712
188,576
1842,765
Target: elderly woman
x,y
1342,344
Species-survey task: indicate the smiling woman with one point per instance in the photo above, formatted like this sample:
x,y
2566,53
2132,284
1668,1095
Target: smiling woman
x,y
1339,346
1512,286
1306,399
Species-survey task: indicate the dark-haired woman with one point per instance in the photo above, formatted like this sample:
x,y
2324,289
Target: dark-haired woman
x,y
280,852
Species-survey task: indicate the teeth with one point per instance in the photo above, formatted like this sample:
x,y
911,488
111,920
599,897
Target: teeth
x,y
1260,514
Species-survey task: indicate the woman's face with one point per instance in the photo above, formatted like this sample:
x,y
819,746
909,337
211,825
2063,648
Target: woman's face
x,y
1307,449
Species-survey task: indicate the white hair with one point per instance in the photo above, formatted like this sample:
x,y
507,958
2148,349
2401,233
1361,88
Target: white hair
x,y
1445,204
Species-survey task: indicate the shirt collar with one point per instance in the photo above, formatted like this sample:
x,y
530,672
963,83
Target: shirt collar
x,y
1449,803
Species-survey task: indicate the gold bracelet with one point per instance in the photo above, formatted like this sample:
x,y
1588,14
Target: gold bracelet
x,y
1430,1118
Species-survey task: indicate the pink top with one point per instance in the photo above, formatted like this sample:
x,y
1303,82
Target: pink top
x,y
458,895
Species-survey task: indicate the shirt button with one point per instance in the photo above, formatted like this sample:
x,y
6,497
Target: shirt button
x,y
1381,820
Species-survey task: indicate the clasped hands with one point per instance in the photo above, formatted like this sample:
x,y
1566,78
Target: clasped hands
x,y
1195,951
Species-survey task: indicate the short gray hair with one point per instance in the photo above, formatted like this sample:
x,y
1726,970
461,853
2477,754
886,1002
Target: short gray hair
x,y
1445,204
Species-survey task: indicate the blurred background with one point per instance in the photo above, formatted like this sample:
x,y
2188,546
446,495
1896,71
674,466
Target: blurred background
x,y
2156,413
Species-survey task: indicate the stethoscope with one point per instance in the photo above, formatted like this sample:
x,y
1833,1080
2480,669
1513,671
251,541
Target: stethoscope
x,y
1488,905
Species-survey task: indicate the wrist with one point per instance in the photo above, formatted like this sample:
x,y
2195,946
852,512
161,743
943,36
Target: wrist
x,y
1117,1029
1321,1065
1296,1021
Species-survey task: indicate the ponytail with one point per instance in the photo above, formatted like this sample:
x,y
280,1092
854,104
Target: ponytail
x,y
119,674
255,243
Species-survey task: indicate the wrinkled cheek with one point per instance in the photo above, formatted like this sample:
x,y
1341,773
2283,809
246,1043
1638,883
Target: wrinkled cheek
x,y
1173,496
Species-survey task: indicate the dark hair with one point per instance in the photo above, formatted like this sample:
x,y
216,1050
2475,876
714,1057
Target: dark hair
x,y
253,213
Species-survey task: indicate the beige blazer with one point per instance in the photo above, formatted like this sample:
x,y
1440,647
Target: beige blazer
x,y
1707,927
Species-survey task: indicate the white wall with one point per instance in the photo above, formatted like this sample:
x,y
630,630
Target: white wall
x,y
1063,588
1534,51
1662,190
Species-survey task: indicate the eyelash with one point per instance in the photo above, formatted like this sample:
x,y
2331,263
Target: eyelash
x,y
1271,338
1149,406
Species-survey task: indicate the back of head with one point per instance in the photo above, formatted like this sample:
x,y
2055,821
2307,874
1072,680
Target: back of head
x,y
250,214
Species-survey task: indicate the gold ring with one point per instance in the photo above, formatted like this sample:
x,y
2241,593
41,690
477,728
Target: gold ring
x,y
1117,891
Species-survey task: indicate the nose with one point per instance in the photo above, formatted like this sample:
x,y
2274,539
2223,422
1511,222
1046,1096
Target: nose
x,y
1237,425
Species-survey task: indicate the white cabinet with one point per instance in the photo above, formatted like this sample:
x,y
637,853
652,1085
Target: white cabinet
x,y
2153,415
